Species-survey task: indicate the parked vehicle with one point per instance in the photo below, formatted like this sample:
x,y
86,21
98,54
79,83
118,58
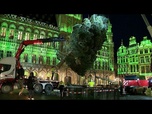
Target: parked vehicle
x,y
132,83
9,66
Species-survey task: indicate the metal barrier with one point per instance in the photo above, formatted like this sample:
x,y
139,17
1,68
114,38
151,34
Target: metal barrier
x,y
92,93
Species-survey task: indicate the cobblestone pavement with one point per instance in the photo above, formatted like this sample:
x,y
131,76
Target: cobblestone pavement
x,y
135,97
14,96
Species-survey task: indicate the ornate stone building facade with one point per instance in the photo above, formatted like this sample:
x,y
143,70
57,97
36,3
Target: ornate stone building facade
x,y
41,59
136,59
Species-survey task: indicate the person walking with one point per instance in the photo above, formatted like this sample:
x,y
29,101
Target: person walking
x,y
61,88
30,85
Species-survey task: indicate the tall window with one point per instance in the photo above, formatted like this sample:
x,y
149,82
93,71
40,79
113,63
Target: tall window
x,y
41,60
1,54
27,36
142,69
25,57
141,51
147,69
48,60
49,36
41,36
35,36
147,59
54,61
20,35
33,58
142,60
9,54
3,31
11,34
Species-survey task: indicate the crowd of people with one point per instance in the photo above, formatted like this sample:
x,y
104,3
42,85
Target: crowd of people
x,y
32,80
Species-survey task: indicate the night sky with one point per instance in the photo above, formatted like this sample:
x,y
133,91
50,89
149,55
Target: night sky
x,y
126,25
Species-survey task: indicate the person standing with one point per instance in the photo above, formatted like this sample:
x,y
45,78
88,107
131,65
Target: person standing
x,y
91,83
30,85
61,88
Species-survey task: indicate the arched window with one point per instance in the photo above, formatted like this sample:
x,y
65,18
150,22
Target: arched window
x,y
42,35
25,57
36,33
12,31
67,80
3,29
41,60
48,60
20,33
49,36
27,34
55,44
33,58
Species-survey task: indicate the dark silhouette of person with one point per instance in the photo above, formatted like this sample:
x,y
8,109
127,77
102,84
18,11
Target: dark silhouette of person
x,y
30,85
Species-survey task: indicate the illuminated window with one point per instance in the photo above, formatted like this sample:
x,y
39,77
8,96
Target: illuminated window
x,y
41,60
27,36
41,36
25,58
20,35
3,31
35,36
48,44
54,45
11,34
33,58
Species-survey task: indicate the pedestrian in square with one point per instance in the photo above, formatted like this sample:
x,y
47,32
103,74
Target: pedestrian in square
x,y
30,85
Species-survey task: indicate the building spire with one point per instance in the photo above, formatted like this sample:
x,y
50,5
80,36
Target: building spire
x,y
121,41
88,16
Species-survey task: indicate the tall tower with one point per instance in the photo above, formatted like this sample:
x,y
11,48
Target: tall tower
x,y
110,43
65,22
